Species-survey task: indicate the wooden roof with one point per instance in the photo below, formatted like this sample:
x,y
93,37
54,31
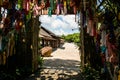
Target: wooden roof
x,y
46,34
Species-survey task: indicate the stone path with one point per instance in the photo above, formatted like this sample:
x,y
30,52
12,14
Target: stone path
x,y
64,64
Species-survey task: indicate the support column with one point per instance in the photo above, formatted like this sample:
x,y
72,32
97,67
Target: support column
x,y
82,39
35,28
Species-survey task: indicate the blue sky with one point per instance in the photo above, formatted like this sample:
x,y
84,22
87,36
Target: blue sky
x,y
61,24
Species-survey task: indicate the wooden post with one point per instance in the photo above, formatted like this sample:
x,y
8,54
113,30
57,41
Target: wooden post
x,y
82,39
35,28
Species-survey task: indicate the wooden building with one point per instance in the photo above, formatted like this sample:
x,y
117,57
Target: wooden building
x,y
48,38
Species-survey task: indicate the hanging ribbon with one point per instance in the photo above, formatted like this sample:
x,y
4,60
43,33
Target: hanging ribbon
x,y
75,9
42,4
47,4
61,6
0,16
72,3
58,9
26,5
54,6
68,3
36,9
58,6
50,7
1,2
51,4
28,16
65,6
49,11
5,4
19,4
18,25
36,2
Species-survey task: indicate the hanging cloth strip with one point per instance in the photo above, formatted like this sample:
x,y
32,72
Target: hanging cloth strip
x,y
54,6
42,6
47,4
50,7
49,11
68,3
35,9
75,11
58,7
51,4
19,4
61,7
1,2
5,4
65,7
26,5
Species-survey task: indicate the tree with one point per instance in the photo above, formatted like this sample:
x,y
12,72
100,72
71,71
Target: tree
x,y
72,38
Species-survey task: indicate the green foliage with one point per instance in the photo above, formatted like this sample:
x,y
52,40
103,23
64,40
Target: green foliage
x,y
72,38
90,73
40,61
109,5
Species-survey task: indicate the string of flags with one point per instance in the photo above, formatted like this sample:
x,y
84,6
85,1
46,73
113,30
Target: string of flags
x,y
43,7
15,13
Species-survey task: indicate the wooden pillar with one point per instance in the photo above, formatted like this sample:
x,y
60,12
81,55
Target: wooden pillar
x,y
82,39
51,43
54,43
35,28
43,44
46,43
59,43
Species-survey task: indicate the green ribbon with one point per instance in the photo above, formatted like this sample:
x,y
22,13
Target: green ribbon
x,y
51,4
68,2
28,16
49,11
54,4
20,4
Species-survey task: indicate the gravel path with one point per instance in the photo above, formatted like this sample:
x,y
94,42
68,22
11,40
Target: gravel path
x,y
62,65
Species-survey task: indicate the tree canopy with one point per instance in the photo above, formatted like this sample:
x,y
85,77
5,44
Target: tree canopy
x,y
72,38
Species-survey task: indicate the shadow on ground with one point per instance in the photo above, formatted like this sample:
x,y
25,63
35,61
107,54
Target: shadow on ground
x,y
58,69
60,63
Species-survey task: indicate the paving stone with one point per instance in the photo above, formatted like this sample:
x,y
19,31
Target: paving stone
x,y
52,71
38,79
74,73
46,70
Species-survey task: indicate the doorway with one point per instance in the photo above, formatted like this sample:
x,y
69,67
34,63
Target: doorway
x,y
64,61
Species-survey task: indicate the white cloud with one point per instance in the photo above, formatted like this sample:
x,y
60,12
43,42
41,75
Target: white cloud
x,y
60,32
59,24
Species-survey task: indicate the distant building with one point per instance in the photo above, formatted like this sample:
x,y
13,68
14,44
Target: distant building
x,y
48,38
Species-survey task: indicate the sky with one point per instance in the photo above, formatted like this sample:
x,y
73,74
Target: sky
x,y
60,24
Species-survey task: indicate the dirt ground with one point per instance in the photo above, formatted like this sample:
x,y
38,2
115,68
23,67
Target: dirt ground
x,y
64,64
